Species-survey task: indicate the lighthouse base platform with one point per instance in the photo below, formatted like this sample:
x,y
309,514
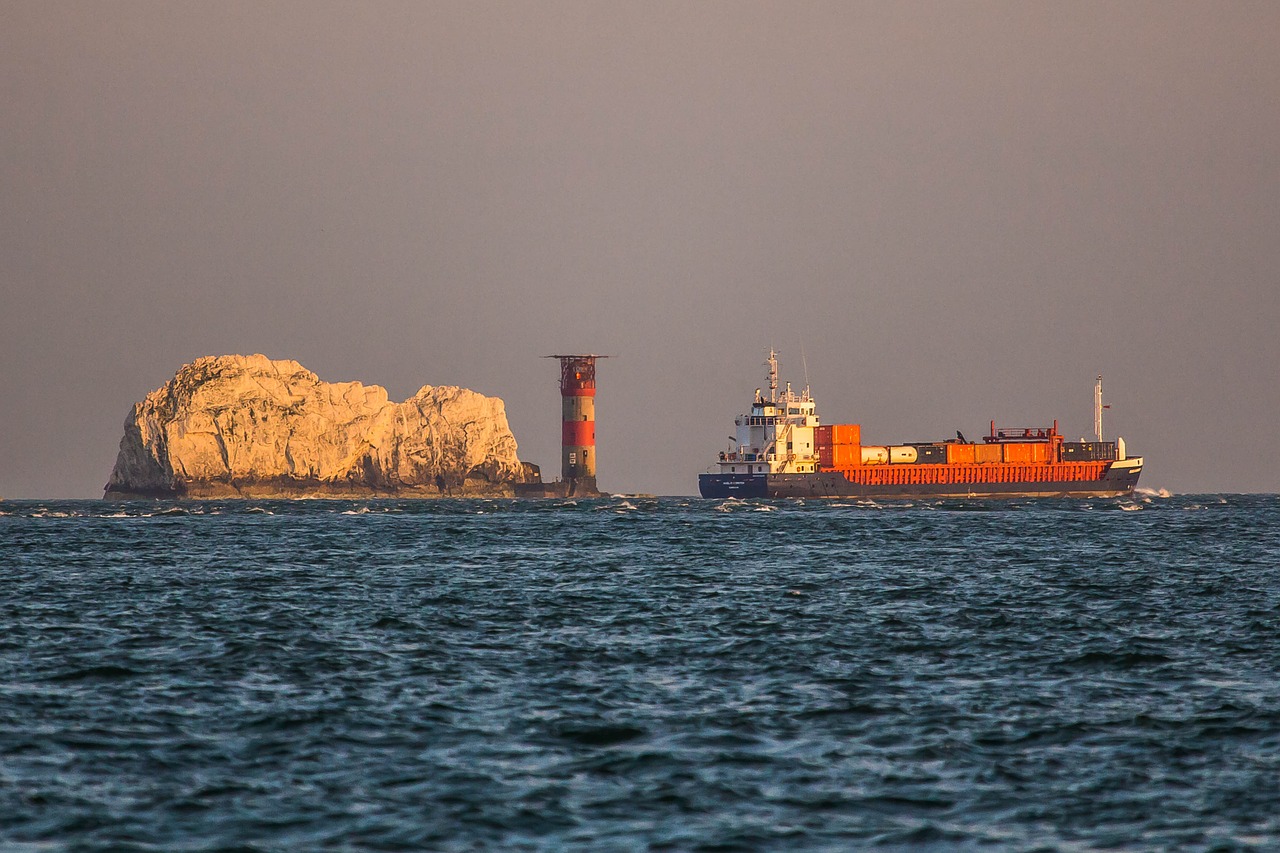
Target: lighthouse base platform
x,y
577,487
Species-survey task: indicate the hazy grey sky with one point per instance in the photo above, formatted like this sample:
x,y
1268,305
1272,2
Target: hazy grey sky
x,y
953,211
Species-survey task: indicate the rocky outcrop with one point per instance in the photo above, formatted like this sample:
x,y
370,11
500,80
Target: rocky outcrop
x,y
247,426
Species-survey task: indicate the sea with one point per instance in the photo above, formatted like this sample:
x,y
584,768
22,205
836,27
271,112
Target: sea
x,y
635,673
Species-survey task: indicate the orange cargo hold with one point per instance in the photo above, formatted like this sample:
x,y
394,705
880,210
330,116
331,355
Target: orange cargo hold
x,y
1017,452
846,455
846,434
959,453
987,453
1029,452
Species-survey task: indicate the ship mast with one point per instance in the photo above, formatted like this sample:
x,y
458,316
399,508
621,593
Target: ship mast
x,y
805,362
773,375
1097,409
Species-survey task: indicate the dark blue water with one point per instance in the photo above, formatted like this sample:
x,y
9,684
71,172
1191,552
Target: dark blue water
x,y
637,674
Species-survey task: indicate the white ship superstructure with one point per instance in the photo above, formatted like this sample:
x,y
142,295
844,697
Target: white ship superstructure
x,y
777,436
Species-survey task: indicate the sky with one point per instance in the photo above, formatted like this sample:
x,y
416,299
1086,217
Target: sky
x,y
939,213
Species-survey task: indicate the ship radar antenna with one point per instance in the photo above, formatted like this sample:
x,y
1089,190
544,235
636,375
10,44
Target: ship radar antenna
x,y
773,375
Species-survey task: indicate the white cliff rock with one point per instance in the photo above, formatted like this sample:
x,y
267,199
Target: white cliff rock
x,y
247,426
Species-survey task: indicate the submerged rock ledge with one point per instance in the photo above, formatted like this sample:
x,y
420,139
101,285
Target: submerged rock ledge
x,y
236,426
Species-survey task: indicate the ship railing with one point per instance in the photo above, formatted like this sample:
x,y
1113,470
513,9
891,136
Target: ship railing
x,y
740,456
1020,434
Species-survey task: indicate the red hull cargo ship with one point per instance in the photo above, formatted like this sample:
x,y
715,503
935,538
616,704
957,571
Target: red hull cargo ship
x,y
782,451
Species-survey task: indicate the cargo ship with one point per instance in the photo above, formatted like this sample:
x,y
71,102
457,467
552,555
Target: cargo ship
x,y
781,450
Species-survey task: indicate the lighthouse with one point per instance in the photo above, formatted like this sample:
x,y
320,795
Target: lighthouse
x,y
578,423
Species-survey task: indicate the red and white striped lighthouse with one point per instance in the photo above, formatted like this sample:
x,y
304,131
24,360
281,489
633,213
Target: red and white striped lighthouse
x,y
578,422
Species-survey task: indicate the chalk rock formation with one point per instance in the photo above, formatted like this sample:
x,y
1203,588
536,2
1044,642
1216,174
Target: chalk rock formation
x,y
247,426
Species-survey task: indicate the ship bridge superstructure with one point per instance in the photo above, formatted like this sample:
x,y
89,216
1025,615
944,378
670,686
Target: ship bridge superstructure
x,y
777,435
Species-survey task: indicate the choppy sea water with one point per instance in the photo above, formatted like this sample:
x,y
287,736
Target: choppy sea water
x,y
640,674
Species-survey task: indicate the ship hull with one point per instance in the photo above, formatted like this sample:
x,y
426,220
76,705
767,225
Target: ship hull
x,y
1119,480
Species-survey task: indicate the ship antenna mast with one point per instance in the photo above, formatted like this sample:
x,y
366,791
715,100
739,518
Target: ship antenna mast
x,y
773,375
1097,409
805,362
